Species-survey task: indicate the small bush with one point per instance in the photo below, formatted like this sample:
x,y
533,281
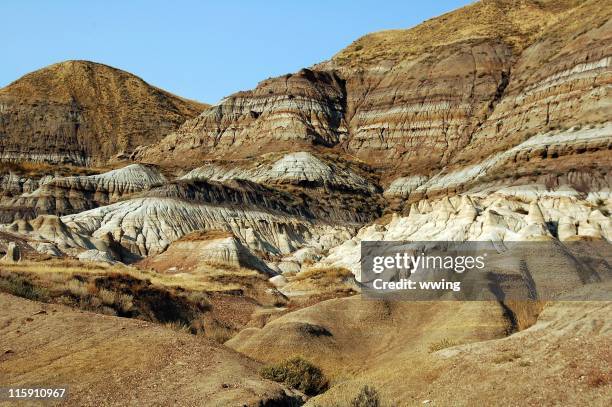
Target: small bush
x,y
124,302
106,296
367,397
219,333
298,373
77,288
21,287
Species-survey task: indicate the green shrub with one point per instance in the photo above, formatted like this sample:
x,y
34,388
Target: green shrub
x,y
298,373
367,397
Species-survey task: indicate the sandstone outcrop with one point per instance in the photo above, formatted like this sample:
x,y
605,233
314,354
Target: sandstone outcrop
x,y
508,214
438,99
217,248
66,195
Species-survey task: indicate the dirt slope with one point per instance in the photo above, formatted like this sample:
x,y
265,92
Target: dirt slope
x,y
109,361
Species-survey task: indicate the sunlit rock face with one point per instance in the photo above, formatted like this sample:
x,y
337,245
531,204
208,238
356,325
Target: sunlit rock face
x,y
301,168
487,123
433,100
65,195
509,214
83,113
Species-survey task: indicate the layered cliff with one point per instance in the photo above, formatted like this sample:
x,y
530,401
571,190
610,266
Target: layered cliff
x,y
82,113
447,94
66,195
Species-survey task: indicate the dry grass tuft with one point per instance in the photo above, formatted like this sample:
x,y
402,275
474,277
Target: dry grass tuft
x,y
442,344
77,288
325,274
219,333
178,326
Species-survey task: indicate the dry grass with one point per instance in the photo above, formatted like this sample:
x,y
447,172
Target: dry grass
x,y
112,290
298,373
39,169
219,333
442,344
178,326
77,288
199,235
517,26
324,274
63,269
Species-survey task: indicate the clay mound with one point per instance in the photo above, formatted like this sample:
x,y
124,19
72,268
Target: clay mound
x,y
83,112
50,228
350,335
564,359
149,364
66,195
147,226
301,168
220,249
451,353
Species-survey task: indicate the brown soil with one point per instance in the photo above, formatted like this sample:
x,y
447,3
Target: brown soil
x,y
108,361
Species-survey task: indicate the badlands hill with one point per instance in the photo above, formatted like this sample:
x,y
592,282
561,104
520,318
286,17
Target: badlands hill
x,y
489,88
81,112
489,123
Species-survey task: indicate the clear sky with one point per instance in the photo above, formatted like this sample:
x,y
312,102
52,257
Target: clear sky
x,y
202,50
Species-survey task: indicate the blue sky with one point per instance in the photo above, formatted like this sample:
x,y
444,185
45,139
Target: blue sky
x,y
202,50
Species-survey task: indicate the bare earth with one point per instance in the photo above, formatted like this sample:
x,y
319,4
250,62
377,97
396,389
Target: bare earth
x,y
115,361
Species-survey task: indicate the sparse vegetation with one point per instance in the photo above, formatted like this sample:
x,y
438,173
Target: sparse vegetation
x,y
367,397
298,373
442,344
110,291
178,326
21,287
328,273
219,333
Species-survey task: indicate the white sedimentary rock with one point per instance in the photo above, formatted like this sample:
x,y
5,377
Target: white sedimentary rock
x,y
96,256
484,217
402,187
148,225
115,183
295,167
